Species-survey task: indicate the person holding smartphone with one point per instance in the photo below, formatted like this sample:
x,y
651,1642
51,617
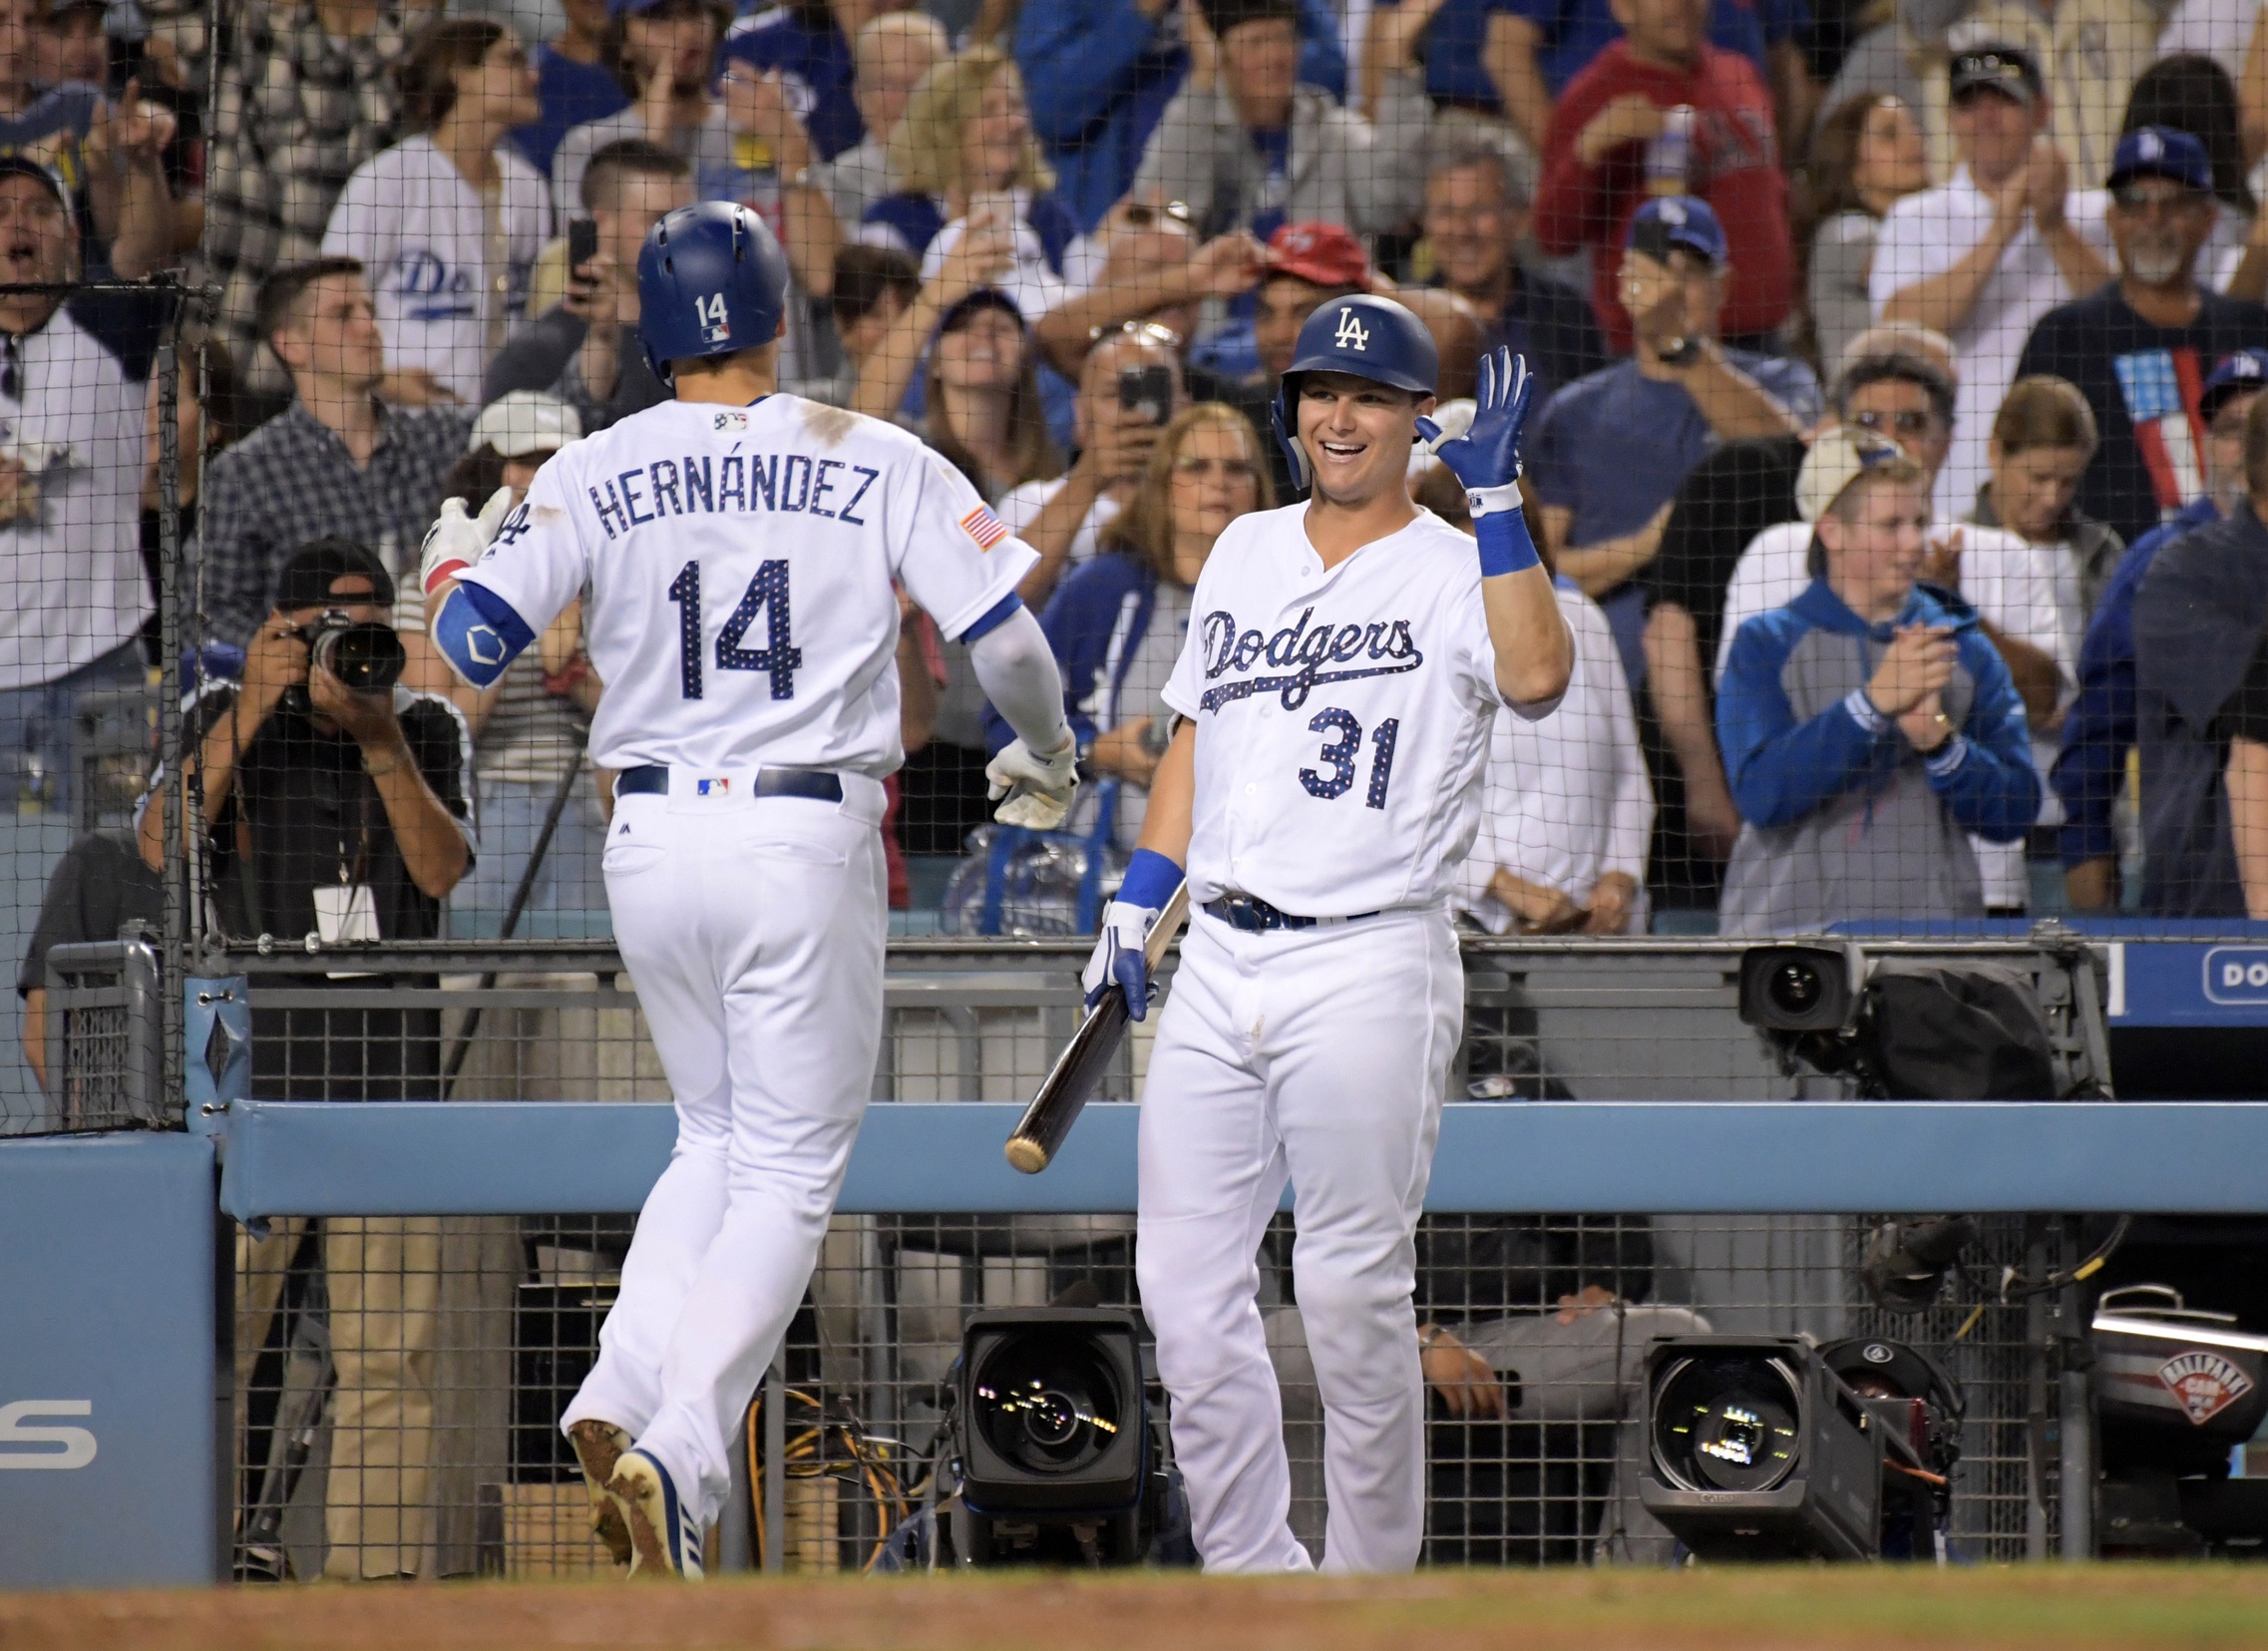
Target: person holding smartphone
x,y
1129,388
1118,622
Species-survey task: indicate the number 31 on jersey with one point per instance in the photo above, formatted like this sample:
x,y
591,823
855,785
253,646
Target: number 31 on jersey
x,y
767,593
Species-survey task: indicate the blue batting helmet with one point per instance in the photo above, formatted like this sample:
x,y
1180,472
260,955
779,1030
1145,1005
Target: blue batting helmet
x,y
711,280
1366,336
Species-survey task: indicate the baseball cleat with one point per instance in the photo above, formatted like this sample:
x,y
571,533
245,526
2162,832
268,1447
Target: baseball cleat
x,y
665,1534
598,1446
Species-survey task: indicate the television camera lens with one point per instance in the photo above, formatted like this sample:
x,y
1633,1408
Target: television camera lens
x,y
1048,1403
1728,1423
1796,986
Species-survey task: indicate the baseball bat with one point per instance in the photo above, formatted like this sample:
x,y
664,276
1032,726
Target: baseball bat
x,y
1077,1072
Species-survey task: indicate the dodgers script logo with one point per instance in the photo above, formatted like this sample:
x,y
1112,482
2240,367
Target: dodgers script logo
x,y
1351,334
1229,649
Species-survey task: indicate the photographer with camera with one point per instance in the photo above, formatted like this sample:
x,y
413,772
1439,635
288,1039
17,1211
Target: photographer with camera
x,y
335,805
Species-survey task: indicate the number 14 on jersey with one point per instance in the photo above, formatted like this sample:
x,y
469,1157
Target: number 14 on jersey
x,y
767,593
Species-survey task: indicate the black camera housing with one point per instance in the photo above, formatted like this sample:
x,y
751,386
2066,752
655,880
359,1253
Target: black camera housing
x,y
1756,1449
1801,988
365,654
1051,1413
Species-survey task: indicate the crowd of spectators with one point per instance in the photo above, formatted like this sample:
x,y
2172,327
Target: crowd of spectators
x,y
1774,268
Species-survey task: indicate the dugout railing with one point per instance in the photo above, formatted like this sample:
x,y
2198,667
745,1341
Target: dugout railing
x,y
494,1307
470,1243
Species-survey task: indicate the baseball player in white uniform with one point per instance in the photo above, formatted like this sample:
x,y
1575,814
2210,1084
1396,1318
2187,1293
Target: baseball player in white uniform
x,y
1334,698
739,548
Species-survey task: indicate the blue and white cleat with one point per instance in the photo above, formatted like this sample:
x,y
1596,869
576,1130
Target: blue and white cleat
x,y
665,1534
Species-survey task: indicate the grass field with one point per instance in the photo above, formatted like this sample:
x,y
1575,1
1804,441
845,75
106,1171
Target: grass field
x,y
1993,1610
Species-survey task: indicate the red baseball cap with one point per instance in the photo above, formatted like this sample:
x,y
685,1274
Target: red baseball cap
x,y
1321,252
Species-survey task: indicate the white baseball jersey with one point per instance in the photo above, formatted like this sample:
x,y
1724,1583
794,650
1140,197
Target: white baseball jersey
x,y
1341,715
443,294
739,561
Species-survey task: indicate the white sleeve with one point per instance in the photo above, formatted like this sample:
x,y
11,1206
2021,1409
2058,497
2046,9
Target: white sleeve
x,y
1020,505
361,226
1745,599
1630,819
2011,584
1918,240
539,560
955,557
1497,797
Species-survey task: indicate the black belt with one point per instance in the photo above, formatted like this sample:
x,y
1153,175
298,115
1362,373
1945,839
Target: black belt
x,y
819,785
1256,915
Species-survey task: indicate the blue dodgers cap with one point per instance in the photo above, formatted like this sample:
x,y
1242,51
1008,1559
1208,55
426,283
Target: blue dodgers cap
x,y
2239,374
2162,152
1674,220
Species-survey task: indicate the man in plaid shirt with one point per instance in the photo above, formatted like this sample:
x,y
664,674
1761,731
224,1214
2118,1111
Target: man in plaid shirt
x,y
339,462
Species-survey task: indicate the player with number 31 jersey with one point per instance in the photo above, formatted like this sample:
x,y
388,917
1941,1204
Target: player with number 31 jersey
x,y
1345,658
739,549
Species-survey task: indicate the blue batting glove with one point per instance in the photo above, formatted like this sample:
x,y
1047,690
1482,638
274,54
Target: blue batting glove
x,y
1119,958
1486,455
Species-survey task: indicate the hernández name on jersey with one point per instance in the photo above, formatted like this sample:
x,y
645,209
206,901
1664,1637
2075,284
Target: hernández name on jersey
x,y
1385,644
720,483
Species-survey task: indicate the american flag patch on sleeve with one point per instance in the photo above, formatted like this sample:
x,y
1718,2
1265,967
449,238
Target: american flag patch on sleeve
x,y
983,527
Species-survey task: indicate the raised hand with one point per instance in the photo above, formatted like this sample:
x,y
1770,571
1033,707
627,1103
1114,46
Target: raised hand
x,y
456,540
1486,455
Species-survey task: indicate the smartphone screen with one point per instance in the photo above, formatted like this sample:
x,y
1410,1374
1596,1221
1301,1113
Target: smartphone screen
x,y
582,241
1147,391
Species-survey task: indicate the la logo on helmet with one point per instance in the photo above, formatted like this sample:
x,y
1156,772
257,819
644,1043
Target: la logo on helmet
x,y
1351,334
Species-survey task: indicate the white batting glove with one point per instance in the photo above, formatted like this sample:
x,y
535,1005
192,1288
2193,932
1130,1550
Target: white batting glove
x,y
456,540
1119,959
1039,785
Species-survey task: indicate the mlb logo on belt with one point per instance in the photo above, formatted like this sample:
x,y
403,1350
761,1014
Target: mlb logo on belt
x,y
983,527
712,789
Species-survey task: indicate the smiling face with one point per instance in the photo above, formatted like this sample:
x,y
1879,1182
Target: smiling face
x,y
1994,134
1357,434
993,145
1473,229
1875,536
983,352
1901,410
2159,227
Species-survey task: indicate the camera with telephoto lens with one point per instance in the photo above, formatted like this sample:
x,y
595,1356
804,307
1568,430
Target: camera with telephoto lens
x,y
365,654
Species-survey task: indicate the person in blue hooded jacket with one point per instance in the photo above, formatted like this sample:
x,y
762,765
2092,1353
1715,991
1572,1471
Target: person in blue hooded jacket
x,y
1868,727
1117,622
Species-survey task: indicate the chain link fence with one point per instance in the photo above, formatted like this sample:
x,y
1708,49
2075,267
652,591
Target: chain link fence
x,y
400,1378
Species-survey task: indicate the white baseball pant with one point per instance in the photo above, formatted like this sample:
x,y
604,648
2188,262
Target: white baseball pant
x,y
1315,1056
753,929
